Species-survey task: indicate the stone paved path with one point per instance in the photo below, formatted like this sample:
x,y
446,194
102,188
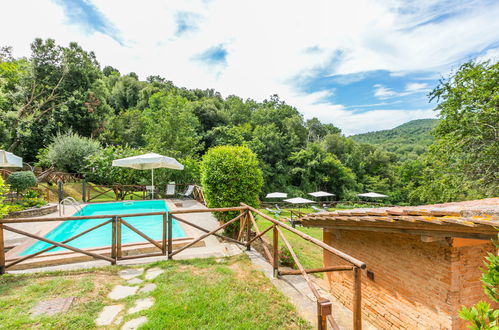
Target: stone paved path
x,y
114,314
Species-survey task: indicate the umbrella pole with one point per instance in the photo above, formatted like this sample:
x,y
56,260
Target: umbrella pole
x,y
152,183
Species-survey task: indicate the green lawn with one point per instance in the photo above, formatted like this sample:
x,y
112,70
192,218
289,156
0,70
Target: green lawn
x,y
194,294
309,254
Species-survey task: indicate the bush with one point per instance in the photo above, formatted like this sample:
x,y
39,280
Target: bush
x,y
20,181
230,175
4,209
285,258
68,152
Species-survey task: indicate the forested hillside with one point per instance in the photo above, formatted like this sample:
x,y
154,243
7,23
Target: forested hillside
x,y
59,108
408,140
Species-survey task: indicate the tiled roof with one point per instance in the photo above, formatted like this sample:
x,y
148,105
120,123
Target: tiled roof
x,y
472,214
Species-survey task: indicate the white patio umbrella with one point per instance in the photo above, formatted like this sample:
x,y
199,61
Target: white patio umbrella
x,y
320,194
8,159
149,161
276,195
372,195
298,200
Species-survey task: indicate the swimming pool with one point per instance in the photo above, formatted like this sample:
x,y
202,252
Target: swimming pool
x,y
151,225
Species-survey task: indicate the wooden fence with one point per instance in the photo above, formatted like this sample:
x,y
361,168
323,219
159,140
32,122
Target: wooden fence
x,y
249,232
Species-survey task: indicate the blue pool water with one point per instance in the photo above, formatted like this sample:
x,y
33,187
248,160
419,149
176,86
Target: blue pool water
x,y
151,225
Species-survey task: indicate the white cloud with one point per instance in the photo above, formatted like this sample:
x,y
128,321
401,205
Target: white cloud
x,y
383,92
267,41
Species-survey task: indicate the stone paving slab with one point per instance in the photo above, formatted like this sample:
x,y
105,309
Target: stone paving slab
x,y
108,314
141,304
52,306
135,281
149,287
135,323
128,274
152,273
122,291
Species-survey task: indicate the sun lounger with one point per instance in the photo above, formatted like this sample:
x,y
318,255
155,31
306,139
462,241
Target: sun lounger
x,y
170,190
188,191
318,210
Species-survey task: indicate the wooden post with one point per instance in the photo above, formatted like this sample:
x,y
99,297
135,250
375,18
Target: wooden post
x,y
2,252
113,241
248,232
163,250
357,299
170,236
275,249
118,240
84,191
60,190
321,314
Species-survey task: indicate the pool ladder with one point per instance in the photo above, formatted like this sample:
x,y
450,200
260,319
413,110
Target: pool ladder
x,y
71,201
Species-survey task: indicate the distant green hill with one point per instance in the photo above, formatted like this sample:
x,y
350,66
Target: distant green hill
x,y
407,140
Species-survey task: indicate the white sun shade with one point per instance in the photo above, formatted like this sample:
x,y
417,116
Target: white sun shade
x,y
320,194
276,195
148,162
8,159
372,195
298,200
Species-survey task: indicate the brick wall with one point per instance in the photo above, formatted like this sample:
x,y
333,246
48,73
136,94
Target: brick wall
x,y
416,285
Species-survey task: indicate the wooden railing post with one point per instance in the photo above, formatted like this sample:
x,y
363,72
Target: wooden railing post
x,y
275,250
118,240
84,191
113,241
2,252
357,299
164,239
248,231
170,236
323,310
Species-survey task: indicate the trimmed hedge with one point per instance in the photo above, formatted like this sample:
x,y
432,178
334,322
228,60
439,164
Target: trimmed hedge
x,y
22,180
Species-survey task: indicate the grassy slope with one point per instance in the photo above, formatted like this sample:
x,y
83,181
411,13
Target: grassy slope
x,y
200,293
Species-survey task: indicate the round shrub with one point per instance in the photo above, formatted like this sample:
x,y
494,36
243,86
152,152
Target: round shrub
x,y
20,181
230,175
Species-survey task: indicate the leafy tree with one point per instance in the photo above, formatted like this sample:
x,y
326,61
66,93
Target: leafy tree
x,y
467,136
22,180
315,169
69,151
170,126
230,175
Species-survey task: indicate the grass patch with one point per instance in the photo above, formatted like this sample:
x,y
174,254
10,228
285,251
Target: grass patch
x,y
309,254
20,293
193,294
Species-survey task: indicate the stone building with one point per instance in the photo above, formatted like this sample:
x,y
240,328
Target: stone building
x,y
423,263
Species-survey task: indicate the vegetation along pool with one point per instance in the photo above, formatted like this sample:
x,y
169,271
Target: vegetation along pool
x,y
152,226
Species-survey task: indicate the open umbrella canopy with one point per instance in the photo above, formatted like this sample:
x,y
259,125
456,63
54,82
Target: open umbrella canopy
x,y
8,159
298,200
276,195
372,195
320,194
148,162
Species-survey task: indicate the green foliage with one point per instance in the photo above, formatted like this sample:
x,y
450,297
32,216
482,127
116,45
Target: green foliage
x,y
4,209
22,180
170,126
482,316
31,198
408,140
68,152
229,176
467,134
285,257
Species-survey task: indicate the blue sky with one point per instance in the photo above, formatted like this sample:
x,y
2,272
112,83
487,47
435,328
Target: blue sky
x,y
363,65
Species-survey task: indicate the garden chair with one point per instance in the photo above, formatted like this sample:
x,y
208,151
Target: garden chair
x,y
170,190
318,210
188,191
276,213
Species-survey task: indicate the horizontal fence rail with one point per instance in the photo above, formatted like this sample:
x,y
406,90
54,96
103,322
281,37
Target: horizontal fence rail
x,y
247,235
